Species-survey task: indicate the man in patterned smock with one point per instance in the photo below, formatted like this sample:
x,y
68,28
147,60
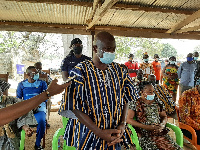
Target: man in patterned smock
x,y
99,98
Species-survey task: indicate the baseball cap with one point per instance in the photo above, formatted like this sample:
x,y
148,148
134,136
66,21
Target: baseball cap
x,y
75,41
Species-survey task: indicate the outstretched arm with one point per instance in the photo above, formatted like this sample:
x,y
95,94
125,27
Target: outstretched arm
x,y
13,112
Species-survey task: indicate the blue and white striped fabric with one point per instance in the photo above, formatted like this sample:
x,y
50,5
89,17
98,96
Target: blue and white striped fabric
x,y
101,95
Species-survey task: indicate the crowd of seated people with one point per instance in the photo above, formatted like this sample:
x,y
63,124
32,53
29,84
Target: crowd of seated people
x,y
98,100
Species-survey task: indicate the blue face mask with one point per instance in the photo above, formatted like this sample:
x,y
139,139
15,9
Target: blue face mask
x,y
146,60
172,62
198,82
107,57
196,58
150,97
189,58
36,76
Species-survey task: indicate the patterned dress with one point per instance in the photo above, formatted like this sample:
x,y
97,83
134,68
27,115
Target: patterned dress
x,y
148,114
10,133
147,69
163,94
101,95
171,84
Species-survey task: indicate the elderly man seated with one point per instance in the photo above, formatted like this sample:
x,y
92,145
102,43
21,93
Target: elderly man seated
x,y
28,89
189,111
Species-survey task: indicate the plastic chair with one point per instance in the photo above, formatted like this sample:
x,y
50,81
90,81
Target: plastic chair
x,y
190,129
177,130
22,141
58,133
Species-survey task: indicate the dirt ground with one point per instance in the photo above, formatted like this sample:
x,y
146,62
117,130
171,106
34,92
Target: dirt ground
x,y
56,122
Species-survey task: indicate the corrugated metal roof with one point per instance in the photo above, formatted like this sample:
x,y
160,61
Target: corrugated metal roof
x,y
140,19
145,14
43,12
180,4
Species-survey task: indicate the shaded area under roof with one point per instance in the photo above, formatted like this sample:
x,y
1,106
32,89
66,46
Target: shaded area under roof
x,y
134,18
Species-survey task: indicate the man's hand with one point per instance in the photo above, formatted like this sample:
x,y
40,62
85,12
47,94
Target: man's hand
x,y
121,127
55,88
118,140
109,135
28,130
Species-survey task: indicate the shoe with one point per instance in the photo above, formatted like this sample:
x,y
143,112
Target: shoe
x,y
48,126
39,148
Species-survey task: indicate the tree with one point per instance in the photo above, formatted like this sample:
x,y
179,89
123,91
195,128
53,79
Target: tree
x,y
197,49
151,46
136,46
123,47
168,51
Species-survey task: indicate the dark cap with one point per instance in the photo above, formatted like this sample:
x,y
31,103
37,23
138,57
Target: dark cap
x,y
75,41
130,55
156,56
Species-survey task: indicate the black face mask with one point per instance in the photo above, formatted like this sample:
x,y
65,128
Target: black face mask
x,y
139,77
78,50
153,83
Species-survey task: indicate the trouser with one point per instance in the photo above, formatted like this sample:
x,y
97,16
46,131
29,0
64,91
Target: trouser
x,y
40,116
183,88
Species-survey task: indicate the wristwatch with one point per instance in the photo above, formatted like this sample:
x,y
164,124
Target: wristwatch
x,y
48,95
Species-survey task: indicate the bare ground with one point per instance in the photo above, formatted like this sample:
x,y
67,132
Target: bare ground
x,y
56,122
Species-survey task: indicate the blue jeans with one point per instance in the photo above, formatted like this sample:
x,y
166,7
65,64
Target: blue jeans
x,y
40,116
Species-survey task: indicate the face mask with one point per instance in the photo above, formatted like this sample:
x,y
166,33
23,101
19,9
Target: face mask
x,y
36,76
156,59
146,60
139,77
172,62
107,57
189,59
196,58
78,50
198,82
150,97
153,83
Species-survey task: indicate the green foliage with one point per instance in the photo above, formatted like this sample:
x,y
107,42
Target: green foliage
x,y
29,45
123,46
137,46
197,49
168,51
151,46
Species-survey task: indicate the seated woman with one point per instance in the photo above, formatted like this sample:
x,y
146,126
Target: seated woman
x,y
150,121
10,133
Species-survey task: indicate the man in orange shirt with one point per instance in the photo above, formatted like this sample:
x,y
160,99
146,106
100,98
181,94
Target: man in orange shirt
x,y
157,68
132,66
